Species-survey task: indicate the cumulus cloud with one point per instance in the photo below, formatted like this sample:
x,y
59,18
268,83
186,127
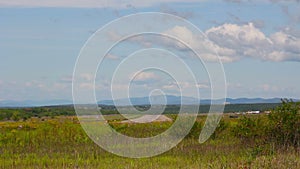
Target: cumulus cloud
x,y
242,40
206,49
234,42
229,43
248,41
184,34
145,78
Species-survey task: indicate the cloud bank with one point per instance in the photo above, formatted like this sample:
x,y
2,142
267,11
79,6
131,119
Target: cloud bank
x,y
234,42
249,42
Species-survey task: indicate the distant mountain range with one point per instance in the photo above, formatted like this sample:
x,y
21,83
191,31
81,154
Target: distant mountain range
x,y
172,100
155,100
33,103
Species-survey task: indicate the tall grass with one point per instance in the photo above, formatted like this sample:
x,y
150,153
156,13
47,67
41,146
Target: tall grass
x,y
60,142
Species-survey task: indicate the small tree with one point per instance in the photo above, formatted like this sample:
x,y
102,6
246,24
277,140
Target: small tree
x,y
284,124
15,116
250,130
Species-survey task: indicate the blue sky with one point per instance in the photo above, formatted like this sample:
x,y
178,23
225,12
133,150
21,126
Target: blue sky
x,y
41,40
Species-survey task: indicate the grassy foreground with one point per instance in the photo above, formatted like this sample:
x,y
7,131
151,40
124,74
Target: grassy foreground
x,y
60,142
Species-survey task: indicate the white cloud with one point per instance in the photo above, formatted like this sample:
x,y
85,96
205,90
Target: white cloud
x,y
146,76
274,89
184,85
202,86
237,34
87,3
35,84
287,46
196,42
184,34
248,41
112,57
66,79
171,86
88,86
242,40
232,42
43,86
86,76
268,88
60,86
188,85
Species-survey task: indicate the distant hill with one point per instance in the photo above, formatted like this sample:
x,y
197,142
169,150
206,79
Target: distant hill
x,y
253,100
173,100
155,100
33,103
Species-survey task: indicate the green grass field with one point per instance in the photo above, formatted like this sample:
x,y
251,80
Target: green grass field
x,y
60,142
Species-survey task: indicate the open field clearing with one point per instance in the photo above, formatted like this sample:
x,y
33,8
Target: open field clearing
x,y
60,142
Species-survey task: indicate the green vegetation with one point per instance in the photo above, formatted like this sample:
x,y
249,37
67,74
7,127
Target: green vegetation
x,y
250,141
17,114
280,129
52,111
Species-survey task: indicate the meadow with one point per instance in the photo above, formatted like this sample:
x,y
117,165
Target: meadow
x,y
250,141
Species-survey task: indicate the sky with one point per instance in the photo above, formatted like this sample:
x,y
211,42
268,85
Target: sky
x,y
258,43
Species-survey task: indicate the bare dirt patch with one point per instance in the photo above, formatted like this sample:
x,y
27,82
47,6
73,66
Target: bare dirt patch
x,y
148,119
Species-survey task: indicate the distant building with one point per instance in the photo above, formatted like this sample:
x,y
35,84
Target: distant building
x,y
253,112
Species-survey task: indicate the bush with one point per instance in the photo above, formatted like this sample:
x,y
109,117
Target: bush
x,y
16,116
284,125
195,130
280,129
250,129
222,125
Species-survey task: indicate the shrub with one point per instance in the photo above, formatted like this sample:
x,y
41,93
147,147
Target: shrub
x,y
284,125
250,129
281,128
16,116
195,130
